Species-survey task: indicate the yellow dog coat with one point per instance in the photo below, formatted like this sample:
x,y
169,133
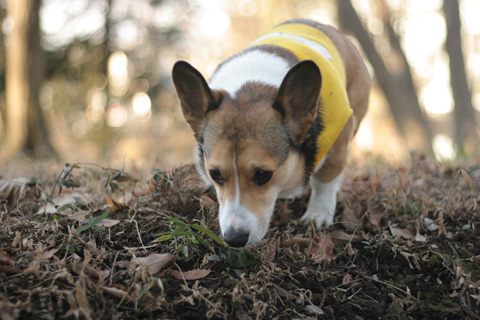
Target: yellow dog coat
x,y
309,43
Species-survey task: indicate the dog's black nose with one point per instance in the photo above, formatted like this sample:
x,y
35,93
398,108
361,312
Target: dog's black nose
x,y
236,237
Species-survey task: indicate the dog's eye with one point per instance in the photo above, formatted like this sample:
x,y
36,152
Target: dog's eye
x,y
262,176
217,176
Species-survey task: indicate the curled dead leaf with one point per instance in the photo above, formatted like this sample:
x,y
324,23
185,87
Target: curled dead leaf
x,y
322,251
68,196
296,241
118,291
108,223
154,262
48,254
351,218
375,215
404,233
467,179
12,190
192,274
430,224
340,237
10,269
5,258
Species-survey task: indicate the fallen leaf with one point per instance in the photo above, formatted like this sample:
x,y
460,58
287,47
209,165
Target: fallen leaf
x,y
48,254
5,258
284,293
123,264
81,297
12,190
79,216
10,269
350,218
420,238
347,278
293,241
323,249
340,237
375,215
208,204
68,196
430,224
404,233
313,309
108,223
467,178
192,274
117,291
154,262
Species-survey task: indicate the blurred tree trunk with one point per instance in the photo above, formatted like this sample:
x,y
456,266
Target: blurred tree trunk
x,y
396,83
25,127
106,48
466,134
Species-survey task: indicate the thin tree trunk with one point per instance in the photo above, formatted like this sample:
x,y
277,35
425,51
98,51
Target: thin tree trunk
x,y
25,127
397,88
466,131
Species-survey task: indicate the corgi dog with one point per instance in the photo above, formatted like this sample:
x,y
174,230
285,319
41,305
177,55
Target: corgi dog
x,y
274,118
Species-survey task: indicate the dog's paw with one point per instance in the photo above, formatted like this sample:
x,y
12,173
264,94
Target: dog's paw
x,y
319,214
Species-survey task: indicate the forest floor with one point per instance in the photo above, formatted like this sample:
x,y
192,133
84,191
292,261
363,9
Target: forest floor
x,y
405,245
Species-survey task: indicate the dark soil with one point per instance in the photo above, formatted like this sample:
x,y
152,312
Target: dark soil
x,y
405,245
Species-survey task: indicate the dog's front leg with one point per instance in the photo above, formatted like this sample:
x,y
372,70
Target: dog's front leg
x,y
323,201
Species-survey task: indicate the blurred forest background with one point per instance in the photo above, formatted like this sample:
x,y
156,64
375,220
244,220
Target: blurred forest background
x,y
89,80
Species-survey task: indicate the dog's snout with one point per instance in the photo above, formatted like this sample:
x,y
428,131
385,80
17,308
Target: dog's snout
x,y
236,237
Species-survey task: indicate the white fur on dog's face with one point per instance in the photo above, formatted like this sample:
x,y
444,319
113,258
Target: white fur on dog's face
x,y
243,204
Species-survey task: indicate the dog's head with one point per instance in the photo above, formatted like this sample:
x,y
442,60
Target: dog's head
x,y
250,145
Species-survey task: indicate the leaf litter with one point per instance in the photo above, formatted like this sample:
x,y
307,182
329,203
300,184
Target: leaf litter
x,y
404,245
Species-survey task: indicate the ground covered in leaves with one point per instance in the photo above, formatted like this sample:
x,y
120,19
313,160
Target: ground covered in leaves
x,y
405,245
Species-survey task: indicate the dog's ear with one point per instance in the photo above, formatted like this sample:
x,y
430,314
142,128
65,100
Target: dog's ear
x,y
195,96
298,97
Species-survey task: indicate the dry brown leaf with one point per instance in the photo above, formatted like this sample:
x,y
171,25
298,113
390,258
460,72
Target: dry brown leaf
x,y
10,269
80,216
296,241
68,196
340,237
269,252
117,291
404,233
5,258
123,264
208,204
347,278
12,190
108,223
192,274
284,293
375,214
154,262
81,297
323,249
48,254
351,218
467,178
